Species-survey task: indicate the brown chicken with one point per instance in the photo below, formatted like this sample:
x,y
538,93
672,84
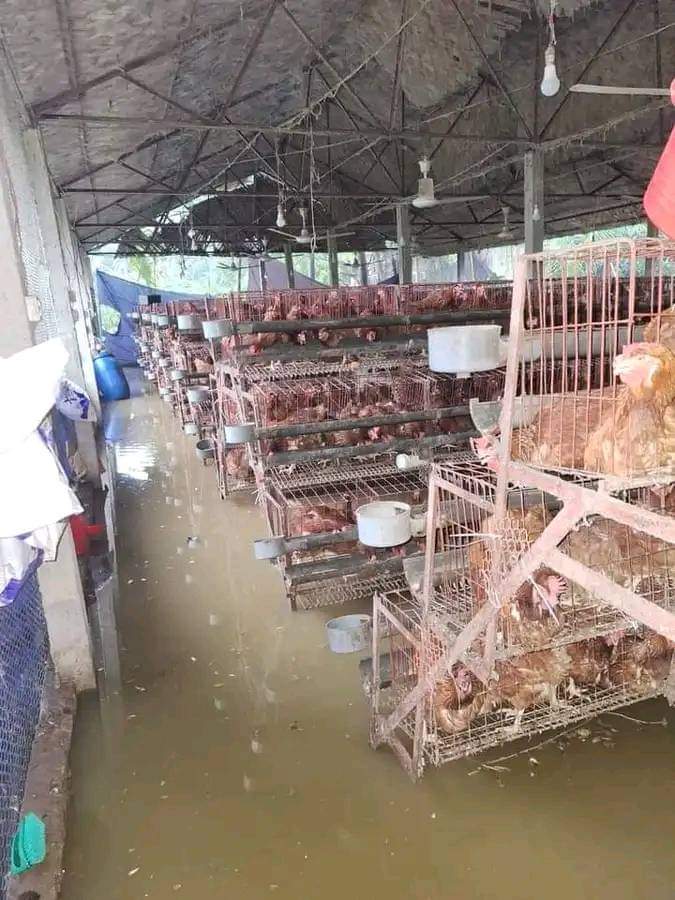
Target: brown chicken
x,y
459,699
315,520
661,329
588,665
637,434
236,464
532,616
529,680
638,665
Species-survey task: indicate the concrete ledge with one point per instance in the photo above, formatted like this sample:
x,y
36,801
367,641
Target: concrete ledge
x,y
47,792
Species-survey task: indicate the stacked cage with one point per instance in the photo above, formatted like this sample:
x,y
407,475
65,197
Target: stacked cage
x,y
311,515
548,593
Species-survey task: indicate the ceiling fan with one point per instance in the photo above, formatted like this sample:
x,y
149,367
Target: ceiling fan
x,y
305,237
507,232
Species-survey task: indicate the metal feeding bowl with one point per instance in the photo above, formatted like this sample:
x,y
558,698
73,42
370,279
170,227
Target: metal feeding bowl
x,y
198,394
383,523
188,322
177,374
164,362
205,449
216,328
162,321
349,634
239,434
463,349
191,428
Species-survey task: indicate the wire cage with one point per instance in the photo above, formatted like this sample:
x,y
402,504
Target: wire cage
x,y
417,298
592,345
320,303
473,665
313,507
458,715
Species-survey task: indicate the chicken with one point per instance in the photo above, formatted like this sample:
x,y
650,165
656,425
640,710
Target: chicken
x,y
236,464
202,366
588,665
533,615
459,699
528,680
328,338
661,329
315,520
641,664
637,433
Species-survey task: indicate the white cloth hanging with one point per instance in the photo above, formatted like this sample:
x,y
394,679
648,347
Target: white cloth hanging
x,y
34,492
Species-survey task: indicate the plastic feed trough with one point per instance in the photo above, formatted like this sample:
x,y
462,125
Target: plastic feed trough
x,y
349,634
383,523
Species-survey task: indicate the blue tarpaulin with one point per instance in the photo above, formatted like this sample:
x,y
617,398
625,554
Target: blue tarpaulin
x,y
123,296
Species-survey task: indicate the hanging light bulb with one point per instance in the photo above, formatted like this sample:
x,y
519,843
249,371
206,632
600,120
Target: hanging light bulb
x,y
281,218
536,215
550,83
506,232
304,237
425,198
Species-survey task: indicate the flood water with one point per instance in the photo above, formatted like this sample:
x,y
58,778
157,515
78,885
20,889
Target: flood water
x,y
236,762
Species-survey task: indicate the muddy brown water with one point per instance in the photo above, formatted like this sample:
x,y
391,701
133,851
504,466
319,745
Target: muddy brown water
x,y
235,763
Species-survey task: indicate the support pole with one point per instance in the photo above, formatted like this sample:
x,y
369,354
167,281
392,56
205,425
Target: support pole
x,y
290,271
652,232
263,274
403,242
534,201
312,266
333,260
462,265
363,268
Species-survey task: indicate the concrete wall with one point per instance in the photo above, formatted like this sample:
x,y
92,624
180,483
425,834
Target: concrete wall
x,y
41,297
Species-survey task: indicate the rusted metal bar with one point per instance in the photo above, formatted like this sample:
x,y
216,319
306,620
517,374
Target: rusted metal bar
x,y
332,425
297,325
395,446
635,606
306,573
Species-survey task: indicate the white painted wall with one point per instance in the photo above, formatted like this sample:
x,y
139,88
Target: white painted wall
x,y
33,264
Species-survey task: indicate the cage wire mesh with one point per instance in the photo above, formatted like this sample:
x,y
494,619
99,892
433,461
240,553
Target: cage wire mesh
x,y
597,331
23,665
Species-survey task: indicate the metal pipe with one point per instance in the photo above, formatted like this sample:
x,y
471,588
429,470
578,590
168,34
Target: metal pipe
x,y
446,316
420,415
305,573
316,350
398,446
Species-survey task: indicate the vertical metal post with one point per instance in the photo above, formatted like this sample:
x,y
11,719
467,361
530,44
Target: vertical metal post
x,y
403,244
333,260
312,266
363,267
534,201
462,261
239,275
290,271
263,274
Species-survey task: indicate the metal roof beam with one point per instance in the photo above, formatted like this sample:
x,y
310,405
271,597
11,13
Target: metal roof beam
x,y
165,49
491,69
199,125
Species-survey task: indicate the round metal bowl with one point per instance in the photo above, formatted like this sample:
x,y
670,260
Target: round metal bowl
x,y
205,449
188,322
216,328
191,428
177,374
198,394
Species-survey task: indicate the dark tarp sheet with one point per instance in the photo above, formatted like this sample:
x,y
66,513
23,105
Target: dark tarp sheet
x,y
123,296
